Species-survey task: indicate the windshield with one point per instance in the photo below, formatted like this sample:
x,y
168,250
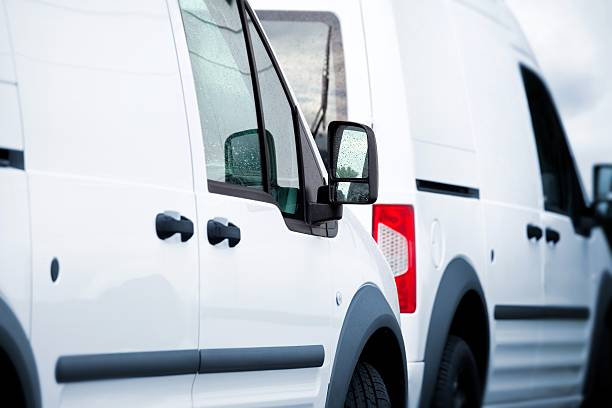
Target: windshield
x,y
309,48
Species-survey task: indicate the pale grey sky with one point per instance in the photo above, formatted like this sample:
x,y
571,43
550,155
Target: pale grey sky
x,y
572,41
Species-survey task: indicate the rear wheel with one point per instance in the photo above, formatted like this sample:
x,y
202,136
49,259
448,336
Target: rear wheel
x,y
367,389
458,383
602,381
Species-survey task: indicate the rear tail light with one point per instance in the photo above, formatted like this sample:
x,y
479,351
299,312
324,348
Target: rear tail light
x,y
393,229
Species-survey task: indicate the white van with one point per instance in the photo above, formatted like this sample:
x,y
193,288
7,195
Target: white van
x,y
167,234
500,265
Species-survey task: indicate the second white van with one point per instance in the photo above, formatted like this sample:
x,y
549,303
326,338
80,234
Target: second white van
x,y
501,265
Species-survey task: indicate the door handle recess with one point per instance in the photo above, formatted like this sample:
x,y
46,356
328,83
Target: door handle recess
x,y
533,231
217,232
552,236
166,226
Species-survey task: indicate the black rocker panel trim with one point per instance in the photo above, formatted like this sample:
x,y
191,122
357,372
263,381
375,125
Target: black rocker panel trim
x,y
260,359
525,312
126,365
181,362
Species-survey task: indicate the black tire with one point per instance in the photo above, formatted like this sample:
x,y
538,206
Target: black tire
x,y
601,386
458,384
367,389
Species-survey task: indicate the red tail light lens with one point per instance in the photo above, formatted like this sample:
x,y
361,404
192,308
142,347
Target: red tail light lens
x,y
393,229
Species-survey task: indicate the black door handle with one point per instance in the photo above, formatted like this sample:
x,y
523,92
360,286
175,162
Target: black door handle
x,y
166,226
217,232
533,231
552,236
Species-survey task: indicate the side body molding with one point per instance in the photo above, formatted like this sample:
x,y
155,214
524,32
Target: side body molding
x,y
367,314
16,345
459,278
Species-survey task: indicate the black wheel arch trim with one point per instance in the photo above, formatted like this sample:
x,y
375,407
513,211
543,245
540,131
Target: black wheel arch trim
x,y
15,343
458,279
368,313
603,306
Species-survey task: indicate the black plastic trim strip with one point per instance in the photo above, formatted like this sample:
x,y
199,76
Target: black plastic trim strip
x,y
126,365
12,158
447,189
261,124
235,190
260,359
94,367
510,312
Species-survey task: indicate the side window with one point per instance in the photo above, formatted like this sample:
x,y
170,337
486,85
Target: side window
x,y
560,180
226,102
281,137
550,142
241,111
309,48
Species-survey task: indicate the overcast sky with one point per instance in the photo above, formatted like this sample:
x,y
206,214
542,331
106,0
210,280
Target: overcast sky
x,y
572,41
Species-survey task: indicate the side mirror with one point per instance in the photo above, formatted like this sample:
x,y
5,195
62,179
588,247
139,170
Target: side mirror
x,y
602,192
353,164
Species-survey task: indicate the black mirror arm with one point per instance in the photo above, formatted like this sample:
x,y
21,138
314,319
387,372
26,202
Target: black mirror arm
x,y
321,213
323,210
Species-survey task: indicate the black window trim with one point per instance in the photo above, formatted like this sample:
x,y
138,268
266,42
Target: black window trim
x,y
573,212
261,125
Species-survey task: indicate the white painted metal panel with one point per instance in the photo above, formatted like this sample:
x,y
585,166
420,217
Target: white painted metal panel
x,y
7,67
10,118
107,149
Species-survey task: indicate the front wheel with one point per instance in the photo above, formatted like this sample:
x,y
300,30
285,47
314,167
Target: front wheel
x,y
367,389
458,383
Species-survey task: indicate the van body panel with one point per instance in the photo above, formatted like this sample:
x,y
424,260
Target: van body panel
x,y
428,32
7,66
100,170
15,245
10,118
511,202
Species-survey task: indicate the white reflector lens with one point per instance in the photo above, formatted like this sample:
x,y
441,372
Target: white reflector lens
x,y
394,247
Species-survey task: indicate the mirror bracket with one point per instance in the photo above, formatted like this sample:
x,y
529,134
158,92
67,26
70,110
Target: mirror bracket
x,y
323,210
321,213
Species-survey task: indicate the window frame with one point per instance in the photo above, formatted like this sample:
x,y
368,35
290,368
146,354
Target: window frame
x,y
295,222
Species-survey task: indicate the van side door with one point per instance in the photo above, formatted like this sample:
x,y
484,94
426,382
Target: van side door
x,y
265,294
567,282
106,152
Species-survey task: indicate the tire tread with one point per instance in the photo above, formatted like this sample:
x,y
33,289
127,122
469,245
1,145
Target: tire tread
x,y
367,389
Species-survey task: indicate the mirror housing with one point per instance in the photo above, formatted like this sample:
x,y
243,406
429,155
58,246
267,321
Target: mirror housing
x,y
602,193
353,163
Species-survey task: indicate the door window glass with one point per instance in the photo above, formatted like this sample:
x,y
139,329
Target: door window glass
x,y
224,90
550,142
561,184
309,49
280,131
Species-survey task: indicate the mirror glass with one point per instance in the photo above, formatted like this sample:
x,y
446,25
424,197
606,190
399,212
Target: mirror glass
x,y
352,154
242,159
351,162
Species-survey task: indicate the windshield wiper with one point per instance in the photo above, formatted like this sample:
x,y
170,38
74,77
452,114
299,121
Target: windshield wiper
x,y
320,116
